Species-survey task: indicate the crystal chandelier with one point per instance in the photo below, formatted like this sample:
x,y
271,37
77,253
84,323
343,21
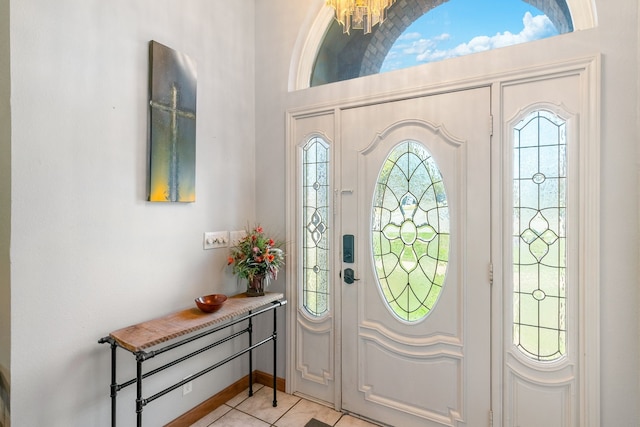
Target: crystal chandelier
x,y
360,14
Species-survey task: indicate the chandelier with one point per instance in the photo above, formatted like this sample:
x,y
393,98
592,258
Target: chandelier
x,y
360,14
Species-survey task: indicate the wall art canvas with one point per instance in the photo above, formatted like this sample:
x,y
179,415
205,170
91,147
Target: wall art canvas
x,y
172,125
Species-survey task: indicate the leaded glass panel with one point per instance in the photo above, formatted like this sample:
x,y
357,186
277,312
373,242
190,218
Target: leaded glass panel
x,y
410,231
315,220
539,239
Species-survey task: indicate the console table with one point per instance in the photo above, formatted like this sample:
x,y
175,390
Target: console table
x,y
141,338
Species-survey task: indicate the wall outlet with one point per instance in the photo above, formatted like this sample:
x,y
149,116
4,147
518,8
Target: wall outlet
x,y
187,388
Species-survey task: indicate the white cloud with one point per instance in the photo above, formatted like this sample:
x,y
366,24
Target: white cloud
x,y
409,36
420,46
426,50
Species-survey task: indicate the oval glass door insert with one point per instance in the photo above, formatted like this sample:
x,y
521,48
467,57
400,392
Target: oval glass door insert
x,y
410,231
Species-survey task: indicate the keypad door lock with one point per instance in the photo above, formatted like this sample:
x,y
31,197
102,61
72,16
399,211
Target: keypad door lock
x,y
348,248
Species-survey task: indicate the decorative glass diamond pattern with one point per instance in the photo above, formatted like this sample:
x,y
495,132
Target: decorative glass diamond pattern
x,y
410,231
315,252
316,226
539,237
539,241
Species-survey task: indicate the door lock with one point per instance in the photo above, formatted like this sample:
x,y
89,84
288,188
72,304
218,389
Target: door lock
x,y
347,248
349,276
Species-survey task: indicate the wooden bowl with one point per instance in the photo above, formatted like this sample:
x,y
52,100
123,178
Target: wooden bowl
x,y
210,303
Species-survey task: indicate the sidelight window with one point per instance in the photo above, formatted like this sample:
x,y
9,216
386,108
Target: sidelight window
x,y
315,224
539,236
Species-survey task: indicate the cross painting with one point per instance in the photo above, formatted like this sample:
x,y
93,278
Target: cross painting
x,y
172,157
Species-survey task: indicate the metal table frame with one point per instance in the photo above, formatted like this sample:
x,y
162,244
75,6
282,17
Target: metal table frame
x,y
141,356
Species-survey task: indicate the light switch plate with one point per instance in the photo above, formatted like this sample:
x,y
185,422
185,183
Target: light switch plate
x,y
215,239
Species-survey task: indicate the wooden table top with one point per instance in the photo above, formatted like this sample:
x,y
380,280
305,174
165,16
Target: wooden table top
x,y
147,334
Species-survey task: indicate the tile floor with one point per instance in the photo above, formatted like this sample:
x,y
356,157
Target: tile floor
x,y
258,411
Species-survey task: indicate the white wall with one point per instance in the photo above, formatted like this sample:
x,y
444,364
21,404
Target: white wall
x,y
638,164
88,254
5,197
617,39
619,272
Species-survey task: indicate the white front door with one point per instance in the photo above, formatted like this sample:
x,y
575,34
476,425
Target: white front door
x,y
415,196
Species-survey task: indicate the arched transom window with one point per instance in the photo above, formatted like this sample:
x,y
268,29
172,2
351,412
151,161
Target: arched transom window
x,y
420,31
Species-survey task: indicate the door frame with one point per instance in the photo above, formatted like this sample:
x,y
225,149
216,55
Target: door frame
x,y
588,69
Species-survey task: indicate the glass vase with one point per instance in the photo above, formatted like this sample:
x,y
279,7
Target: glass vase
x,y
256,285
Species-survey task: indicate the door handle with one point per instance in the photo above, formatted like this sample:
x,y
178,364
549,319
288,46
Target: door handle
x,y
349,276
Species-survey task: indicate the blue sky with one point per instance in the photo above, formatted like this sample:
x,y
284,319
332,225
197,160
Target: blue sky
x,y
461,27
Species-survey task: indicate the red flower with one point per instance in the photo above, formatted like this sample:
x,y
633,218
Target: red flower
x,y
256,254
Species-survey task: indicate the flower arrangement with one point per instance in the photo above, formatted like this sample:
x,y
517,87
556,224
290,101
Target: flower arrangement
x,y
256,256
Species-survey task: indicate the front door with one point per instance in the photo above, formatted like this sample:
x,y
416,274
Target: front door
x,y
415,288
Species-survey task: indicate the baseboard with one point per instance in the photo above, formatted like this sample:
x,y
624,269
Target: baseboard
x,y
267,379
259,377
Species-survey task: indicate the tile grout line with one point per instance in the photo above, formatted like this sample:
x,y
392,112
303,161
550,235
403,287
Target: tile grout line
x,y
274,423
286,412
253,416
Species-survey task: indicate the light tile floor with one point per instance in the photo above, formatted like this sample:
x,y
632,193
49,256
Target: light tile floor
x,y
258,411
